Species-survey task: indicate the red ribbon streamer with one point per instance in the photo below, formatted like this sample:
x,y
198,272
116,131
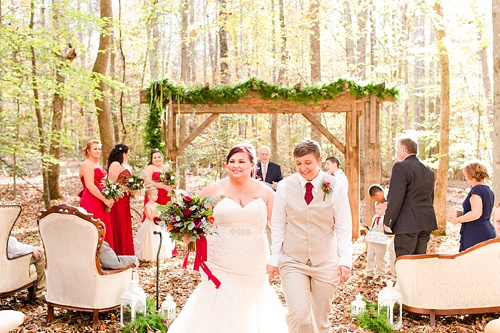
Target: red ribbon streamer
x,y
200,259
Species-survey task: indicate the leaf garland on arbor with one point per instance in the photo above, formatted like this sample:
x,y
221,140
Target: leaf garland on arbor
x,y
163,91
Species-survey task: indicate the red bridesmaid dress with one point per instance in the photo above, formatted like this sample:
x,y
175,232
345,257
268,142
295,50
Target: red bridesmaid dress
x,y
122,220
163,198
95,206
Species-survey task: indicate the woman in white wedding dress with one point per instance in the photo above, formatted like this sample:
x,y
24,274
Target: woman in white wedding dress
x,y
245,302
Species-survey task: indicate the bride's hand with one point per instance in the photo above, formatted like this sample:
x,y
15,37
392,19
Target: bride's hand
x,y
273,271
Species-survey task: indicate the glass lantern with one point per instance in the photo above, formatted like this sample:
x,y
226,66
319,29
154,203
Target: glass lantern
x,y
133,303
390,301
358,306
168,308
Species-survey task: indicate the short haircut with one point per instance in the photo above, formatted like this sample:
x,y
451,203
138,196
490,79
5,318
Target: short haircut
x,y
374,189
265,147
307,146
334,160
410,144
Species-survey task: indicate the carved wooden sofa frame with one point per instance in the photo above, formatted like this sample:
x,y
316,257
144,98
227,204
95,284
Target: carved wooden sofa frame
x,y
451,284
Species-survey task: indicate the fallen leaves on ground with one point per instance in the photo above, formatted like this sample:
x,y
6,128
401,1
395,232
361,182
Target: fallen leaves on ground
x,y
180,282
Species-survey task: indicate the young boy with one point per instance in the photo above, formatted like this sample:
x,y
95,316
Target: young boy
x,y
375,262
378,194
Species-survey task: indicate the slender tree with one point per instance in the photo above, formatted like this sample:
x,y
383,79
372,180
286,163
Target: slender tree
x,y
496,95
441,186
100,69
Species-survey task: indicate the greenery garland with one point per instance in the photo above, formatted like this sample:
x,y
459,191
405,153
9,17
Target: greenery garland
x,y
163,91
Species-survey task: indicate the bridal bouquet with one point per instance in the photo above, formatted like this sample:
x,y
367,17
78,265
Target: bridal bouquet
x,y
187,218
135,182
112,191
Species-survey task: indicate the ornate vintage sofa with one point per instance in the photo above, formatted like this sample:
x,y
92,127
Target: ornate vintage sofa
x,y
443,284
75,279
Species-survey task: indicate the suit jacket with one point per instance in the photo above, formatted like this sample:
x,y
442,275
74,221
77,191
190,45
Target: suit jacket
x,y
410,200
273,173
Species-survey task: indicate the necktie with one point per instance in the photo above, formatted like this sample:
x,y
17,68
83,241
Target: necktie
x,y
377,221
264,171
309,194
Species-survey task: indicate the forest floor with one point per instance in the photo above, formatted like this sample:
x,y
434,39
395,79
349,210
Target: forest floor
x,y
180,283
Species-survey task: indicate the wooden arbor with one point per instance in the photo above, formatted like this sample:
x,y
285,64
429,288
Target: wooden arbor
x,y
354,109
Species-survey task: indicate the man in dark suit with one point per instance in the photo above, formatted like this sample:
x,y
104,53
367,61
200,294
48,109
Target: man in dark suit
x,y
268,172
410,212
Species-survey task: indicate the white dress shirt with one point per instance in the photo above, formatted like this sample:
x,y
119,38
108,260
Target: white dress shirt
x,y
340,175
16,248
341,213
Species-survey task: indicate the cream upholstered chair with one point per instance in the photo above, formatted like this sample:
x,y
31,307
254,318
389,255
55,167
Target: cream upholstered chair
x,y
75,279
15,274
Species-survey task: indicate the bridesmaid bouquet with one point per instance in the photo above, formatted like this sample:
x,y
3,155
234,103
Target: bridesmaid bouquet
x,y
187,218
135,182
112,191
168,178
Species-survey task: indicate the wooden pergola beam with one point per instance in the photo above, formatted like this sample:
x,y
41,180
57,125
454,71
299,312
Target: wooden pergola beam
x,y
323,130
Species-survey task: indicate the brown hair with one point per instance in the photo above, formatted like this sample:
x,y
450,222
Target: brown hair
x,y
89,145
476,170
334,160
410,144
307,146
243,148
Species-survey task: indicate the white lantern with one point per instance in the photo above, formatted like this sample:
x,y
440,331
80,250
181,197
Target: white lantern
x,y
133,303
390,301
168,308
358,306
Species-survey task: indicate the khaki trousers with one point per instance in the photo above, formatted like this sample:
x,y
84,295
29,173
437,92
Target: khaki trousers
x,y
309,292
375,262
41,282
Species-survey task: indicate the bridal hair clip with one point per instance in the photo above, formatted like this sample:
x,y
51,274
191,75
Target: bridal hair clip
x,y
119,148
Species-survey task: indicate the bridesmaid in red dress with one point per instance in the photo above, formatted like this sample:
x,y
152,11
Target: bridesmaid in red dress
x,y
93,178
152,174
119,171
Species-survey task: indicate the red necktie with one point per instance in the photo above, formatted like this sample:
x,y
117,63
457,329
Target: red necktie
x,y
377,220
264,171
309,194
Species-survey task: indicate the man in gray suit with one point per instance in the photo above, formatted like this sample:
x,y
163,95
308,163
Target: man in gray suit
x,y
410,212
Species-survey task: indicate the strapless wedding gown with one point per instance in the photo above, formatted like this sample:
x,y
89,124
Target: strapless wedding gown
x,y
237,255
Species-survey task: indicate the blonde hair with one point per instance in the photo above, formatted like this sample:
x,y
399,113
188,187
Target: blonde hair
x,y
150,189
89,145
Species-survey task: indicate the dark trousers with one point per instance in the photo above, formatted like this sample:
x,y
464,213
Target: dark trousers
x,y
415,243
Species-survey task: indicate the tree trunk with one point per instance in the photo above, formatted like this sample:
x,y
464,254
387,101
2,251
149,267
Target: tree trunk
x,y
496,96
185,78
39,117
350,47
57,116
418,73
100,69
223,48
283,49
315,45
361,47
444,143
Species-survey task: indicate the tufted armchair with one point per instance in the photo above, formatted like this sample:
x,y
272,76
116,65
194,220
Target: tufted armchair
x,y
15,274
75,279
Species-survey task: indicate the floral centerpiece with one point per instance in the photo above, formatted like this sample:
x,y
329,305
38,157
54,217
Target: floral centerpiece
x,y
188,219
112,191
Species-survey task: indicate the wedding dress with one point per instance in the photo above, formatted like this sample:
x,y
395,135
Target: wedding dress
x,y
237,255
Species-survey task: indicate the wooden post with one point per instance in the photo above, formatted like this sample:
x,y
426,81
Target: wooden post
x,y
352,165
371,164
171,135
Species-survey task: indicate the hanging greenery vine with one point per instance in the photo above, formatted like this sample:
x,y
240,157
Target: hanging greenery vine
x,y
162,91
